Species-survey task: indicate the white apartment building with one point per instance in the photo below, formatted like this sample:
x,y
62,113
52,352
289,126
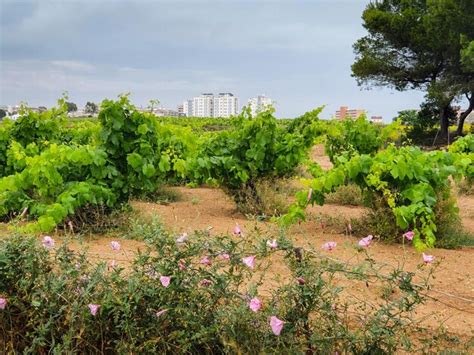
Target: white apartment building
x,y
208,105
226,105
259,104
203,106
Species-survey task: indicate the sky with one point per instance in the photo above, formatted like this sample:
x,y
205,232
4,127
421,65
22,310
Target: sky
x,y
299,53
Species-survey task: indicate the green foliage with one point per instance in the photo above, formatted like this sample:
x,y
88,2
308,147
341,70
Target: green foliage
x,y
55,167
48,293
408,181
348,137
418,44
71,106
5,129
39,127
55,183
91,108
254,148
463,145
463,151
198,124
132,143
82,132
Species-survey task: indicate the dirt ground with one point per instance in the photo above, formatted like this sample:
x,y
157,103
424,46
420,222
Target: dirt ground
x,y
208,208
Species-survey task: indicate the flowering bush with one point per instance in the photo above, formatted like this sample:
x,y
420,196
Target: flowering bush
x,y
166,300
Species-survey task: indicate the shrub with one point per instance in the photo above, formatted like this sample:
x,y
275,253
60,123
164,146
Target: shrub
x,y
39,127
351,137
55,183
405,180
202,307
255,148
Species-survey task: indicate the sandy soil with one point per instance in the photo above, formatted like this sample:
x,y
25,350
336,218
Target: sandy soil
x,y
202,208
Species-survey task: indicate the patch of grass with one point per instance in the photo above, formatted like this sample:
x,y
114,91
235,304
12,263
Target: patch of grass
x,y
96,220
143,230
346,195
450,234
163,195
272,198
465,187
380,221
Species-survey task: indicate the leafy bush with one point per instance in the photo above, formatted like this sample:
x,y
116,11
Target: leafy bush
x,y
463,151
83,132
463,145
53,184
39,127
195,297
5,128
408,181
138,148
255,148
350,137
129,154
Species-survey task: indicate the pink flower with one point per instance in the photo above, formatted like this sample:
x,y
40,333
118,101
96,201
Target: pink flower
x,y
365,242
428,259
409,235
48,242
206,261
310,194
249,261
3,302
276,324
300,280
205,282
115,245
159,313
329,246
255,304
237,230
165,280
182,265
182,238
224,256
93,308
349,227
272,244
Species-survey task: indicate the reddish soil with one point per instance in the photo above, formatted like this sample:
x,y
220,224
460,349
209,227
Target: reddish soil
x,y
203,208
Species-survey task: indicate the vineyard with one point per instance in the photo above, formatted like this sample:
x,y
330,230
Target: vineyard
x,y
231,235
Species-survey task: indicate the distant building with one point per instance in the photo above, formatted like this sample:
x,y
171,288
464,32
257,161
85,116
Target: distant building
x,y
259,104
208,105
203,106
180,110
344,112
226,105
376,119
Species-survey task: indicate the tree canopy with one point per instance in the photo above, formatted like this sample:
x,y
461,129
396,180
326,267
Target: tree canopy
x,y
71,107
91,108
419,44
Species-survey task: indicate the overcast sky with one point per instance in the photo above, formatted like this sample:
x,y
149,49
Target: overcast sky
x,y
297,52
